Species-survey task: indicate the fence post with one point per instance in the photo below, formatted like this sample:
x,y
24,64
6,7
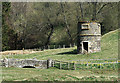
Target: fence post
x,y
44,47
74,44
68,65
29,50
23,51
70,45
39,49
59,46
60,64
114,65
117,61
48,47
74,66
49,63
100,65
63,46
87,64
53,63
6,62
54,46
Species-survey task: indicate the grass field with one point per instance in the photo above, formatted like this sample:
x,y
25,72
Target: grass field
x,y
53,74
109,46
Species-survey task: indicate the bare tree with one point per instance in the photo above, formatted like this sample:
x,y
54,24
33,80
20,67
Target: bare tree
x,y
18,21
97,11
50,23
66,22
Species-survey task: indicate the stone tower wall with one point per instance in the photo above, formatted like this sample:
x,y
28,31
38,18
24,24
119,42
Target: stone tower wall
x,y
89,32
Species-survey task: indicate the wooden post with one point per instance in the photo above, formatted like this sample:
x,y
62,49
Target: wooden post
x,y
48,47
49,63
29,51
60,64
54,46
70,45
59,46
68,66
53,63
63,46
87,64
6,62
23,51
100,65
74,44
74,66
39,49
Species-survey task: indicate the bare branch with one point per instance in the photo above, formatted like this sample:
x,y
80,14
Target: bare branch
x,y
81,8
101,8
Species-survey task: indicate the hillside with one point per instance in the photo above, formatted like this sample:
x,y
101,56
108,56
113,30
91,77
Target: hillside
x,y
109,44
109,49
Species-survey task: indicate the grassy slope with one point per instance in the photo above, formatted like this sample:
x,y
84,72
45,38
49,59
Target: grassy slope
x,y
18,74
109,50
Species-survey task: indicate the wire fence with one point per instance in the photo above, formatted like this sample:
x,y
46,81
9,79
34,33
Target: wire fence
x,y
42,48
79,65
86,65
55,47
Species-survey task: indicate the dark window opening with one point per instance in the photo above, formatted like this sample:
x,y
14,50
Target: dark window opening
x,y
84,27
28,67
85,46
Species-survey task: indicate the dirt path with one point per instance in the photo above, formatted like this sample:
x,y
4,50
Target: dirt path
x,y
14,52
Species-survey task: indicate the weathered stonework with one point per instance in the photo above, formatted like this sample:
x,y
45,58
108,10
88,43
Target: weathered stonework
x,y
21,63
89,37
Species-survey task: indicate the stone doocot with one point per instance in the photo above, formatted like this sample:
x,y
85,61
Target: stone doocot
x,y
89,37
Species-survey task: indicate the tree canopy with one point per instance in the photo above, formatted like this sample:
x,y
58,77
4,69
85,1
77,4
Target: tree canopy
x,y
32,25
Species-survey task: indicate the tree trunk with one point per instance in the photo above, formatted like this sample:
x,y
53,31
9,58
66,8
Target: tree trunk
x,y
67,26
68,31
94,11
49,36
82,15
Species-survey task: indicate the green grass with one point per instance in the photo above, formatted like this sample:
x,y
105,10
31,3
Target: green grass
x,y
109,49
109,46
53,74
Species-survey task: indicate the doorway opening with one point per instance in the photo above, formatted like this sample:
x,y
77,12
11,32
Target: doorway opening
x,y
28,67
85,46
